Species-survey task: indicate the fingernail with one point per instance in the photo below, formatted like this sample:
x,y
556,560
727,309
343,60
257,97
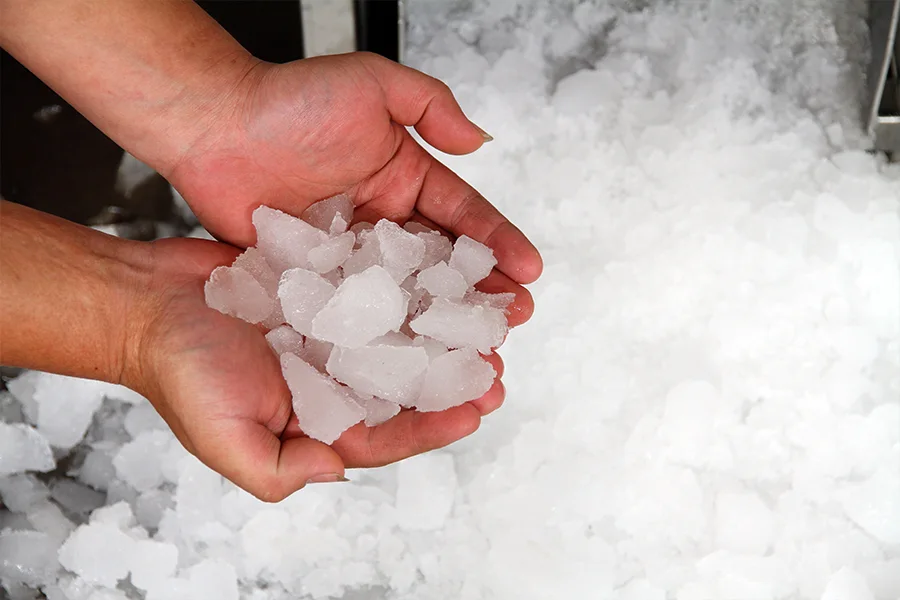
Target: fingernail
x,y
487,137
327,478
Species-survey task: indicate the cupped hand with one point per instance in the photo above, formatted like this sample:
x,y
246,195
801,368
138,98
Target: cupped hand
x,y
219,386
289,135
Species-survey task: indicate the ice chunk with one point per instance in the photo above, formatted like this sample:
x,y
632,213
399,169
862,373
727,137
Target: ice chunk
x,y
284,240
213,580
18,492
324,410
462,326
23,388
28,557
323,213
100,553
744,524
151,562
118,514
501,301
303,294
22,448
454,378
847,584
389,372
76,498
377,410
443,282
472,259
233,291
391,338
873,505
97,470
46,517
426,487
252,261
433,348
366,306
416,295
358,228
437,248
138,462
143,417
285,339
316,352
333,253
401,251
414,227
368,255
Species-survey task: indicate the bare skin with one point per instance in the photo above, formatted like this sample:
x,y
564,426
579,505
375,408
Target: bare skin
x,y
231,133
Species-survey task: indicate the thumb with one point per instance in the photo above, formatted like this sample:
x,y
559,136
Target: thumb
x,y
418,100
255,459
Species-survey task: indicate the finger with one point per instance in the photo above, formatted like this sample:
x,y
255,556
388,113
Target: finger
x,y
415,99
253,457
493,398
521,309
407,434
454,205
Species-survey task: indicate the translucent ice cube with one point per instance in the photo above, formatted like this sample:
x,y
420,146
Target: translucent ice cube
x,y
332,253
285,339
442,281
416,295
322,213
324,410
390,372
461,325
22,448
47,517
366,306
453,378
473,259
303,294
233,291
284,240
437,248
253,262
401,251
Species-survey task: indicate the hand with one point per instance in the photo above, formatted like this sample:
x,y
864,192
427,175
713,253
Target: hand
x,y
292,134
219,386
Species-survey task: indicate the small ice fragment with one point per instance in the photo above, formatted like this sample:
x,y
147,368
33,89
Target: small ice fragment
x,y
322,214
368,255
415,228
18,492
454,378
472,259
22,448
377,410
358,228
332,253
233,291
401,251
253,262
338,225
151,562
143,417
433,348
285,339
78,499
97,470
501,301
366,306
462,326
437,248
99,553
316,352
416,295
392,373
442,281
284,240
324,410
28,557
46,517
303,294
392,338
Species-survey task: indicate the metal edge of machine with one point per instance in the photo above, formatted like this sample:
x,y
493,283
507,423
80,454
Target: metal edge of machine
x,y
883,115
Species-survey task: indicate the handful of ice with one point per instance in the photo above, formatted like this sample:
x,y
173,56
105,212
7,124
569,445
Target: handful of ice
x,y
366,319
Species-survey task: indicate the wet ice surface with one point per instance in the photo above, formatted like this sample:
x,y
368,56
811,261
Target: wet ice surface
x,y
705,404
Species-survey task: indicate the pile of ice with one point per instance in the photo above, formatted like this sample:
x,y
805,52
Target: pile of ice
x,y
365,319
706,404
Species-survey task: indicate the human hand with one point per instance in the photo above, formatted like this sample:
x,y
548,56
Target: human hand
x,y
219,386
292,134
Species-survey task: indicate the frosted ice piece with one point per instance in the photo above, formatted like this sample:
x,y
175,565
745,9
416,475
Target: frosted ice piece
x,y
338,225
437,248
368,255
501,301
152,562
138,462
322,214
65,406
416,295
335,277
377,410
22,448
366,306
454,378
285,339
462,326
358,228
213,579
324,410
99,553
143,417
97,470
316,352
46,517
28,557
253,262
414,227
303,294
389,372
392,338
18,492
433,348
233,291
426,489
472,259
76,498
332,254
442,281
284,240
401,251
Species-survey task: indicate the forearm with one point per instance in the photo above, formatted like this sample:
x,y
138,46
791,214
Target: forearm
x,y
70,297
151,74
